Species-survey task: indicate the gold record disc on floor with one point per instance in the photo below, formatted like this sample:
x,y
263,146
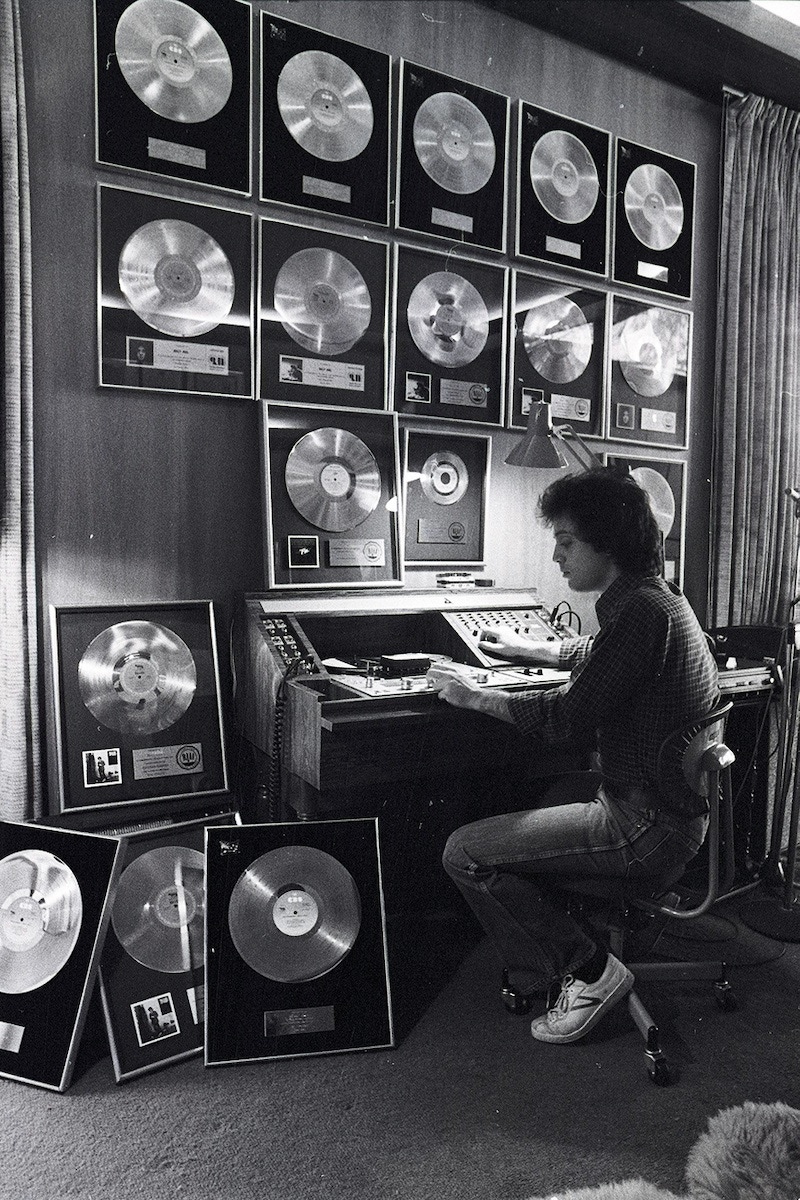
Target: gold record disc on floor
x,y
448,319
41,910
174,60
176,277
159,909
654,207
294,914
564,176
333,479
558,339
137,677
325,106
454,143
322,301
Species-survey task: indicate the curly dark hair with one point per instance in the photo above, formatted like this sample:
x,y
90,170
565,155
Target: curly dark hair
x,y
612,513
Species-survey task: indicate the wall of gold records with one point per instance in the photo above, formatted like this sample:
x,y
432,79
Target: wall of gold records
x,y
149,496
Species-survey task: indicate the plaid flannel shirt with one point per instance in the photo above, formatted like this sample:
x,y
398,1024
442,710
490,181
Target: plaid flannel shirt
x,y
647,671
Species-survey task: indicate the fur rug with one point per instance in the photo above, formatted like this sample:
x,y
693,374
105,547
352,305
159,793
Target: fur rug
x,y
751,1152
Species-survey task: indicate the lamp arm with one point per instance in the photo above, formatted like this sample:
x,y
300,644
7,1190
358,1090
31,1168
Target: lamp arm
x,y
566,434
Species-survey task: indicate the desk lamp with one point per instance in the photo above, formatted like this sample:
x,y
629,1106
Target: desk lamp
x,y
542,444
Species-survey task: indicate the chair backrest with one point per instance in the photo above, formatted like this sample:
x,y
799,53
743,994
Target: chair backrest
x,y
683,761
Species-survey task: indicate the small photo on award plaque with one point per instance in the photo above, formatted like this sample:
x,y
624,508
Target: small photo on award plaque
x,y
649,365
138,708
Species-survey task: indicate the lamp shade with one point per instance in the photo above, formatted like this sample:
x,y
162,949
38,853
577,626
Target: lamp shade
x,y
538,447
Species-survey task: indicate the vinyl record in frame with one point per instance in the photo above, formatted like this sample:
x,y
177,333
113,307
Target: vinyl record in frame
x,y
138,708
453,153
446,494
664,480
332,493
562,190
173,89
323,317
296,956
450,347
325,116
56,892
653,220
649,364
557,352
174,295
152,970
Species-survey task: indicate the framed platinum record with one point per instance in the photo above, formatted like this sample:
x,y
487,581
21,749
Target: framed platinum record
x,y
174,295
557,352
138,708
296,954
173,89
332,491
649,367
446,479
664,480
323,317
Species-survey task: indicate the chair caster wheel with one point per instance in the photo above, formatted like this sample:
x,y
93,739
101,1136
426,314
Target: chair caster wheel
x,y
515,1002
660,1073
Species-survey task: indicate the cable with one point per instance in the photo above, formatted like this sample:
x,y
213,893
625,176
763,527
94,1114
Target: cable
x,y
275,763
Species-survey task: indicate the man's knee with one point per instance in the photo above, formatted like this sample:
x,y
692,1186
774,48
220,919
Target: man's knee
x,y
455,860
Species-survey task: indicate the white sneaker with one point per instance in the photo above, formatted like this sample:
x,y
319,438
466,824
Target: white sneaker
x,y
581,1005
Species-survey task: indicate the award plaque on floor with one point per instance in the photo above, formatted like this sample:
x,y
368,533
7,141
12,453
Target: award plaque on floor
x,y
173,89
449,337
56,892
296,960
325,117
453,153
653,220
333,496
323,317
562,190
446,494
557,352
137,700
152,970
174,295
664,480
649,365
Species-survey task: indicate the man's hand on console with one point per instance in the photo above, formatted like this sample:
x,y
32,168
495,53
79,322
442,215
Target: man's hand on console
x,y
504,642
457,685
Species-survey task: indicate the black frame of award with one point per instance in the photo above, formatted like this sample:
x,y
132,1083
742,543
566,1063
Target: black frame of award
x,y
343,302
556,224
325,944
160,351
154,1014
41,1025
567,375
637,261
423,388
356,187
424,204
632,416
446,487
673,471
106,766
213,150
362,497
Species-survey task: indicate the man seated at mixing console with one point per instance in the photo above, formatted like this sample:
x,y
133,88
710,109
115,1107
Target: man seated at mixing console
x,y
647,671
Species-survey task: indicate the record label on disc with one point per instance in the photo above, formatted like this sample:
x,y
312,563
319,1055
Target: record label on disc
x,y
174,60
322,301
448,319
41,911
294,914
333,479
325,106
454,143
558,339
159,907
654,207
564,176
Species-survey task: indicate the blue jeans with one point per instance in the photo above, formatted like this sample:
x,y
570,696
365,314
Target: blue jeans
x,y
506,868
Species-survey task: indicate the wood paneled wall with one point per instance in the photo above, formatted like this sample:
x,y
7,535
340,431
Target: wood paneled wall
x,y
145,496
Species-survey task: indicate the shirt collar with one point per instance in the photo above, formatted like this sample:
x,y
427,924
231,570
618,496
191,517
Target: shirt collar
x,y
609,601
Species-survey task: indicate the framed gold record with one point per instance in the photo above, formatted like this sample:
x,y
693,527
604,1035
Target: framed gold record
x,y
56,891
332,486
557,353
450,337
138,705
152,970
649,373
653,220
453,156
323,317
446,485
174,295
296,943
173,90
664,480
325,119
562,190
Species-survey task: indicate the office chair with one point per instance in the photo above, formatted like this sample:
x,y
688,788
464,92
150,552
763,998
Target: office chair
x,y
693,754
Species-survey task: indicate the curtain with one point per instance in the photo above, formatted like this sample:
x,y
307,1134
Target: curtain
x,y
755,526
21,795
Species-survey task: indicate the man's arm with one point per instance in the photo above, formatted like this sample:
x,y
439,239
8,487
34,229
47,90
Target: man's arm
x,y
503,642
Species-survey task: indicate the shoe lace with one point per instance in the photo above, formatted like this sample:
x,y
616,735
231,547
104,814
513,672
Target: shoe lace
x,y
562,1004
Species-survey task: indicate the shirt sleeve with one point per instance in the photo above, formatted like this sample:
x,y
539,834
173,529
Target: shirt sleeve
x,y
573,651
624,657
